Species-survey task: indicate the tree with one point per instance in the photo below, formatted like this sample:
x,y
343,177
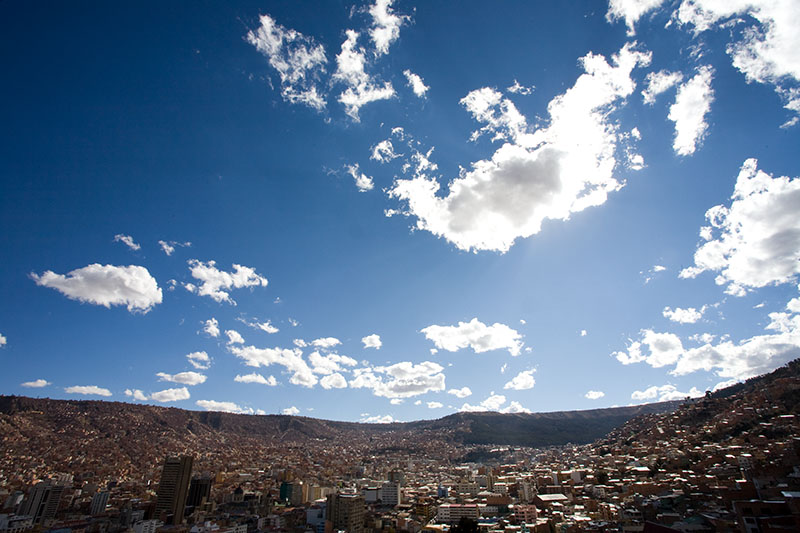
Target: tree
x,y
465,525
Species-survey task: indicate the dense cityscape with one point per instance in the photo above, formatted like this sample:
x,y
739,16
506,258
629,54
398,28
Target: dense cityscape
x,y
727,462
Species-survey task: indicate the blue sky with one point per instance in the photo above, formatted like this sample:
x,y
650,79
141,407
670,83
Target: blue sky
x,y
387,211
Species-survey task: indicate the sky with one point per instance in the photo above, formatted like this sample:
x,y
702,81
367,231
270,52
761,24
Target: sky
x,y
389,212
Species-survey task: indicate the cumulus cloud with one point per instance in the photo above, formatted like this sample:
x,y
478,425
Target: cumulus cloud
x,y
225,407
36,384
326,342
664,393
171,395
756,241
127,240
540,174
401,380
291,359
136,394
692,104
765,51
333,381
298,59
435,405
385,25
584,333
377,419
364,183
494,403
727,359
463,392
630,11
476,335
217,283
255,377
659,82
522,381
263,326
690,315
106,285
361,88
199,360
88,389
184,378
3,340
372,341
594,394
416,83
383,152
211,327
516,88
169,247
291,410
329,363
234,337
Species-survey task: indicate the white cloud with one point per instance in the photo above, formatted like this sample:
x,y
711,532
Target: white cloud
x,y
127,240
216,283
378,419
664,349
326,342
364,183
136,394
171,395
291,410
522,381
401,380
333,381
330,363
463,392
692,104
211,327
292,360
476,335
225,407
520,89
756,241
169,247
199,360
385,25
630,11
548,173
659,82
416,83
36,384
435,405
185,378
584,333
494,403
398,401
297,58
234,337
659,268
3,341
88,389
504,368
765,52
256,378
689,315
594,394
372,341
263,326
383,152
665,393
106,285
361,88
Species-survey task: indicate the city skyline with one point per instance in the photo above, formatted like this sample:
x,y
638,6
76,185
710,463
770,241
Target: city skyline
x,y
387,211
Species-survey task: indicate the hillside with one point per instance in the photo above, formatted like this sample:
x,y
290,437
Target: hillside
x,y
72,435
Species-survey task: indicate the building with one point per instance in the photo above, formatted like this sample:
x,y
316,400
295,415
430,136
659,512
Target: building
x,y
42,501
451,513
173,488
99,502
390,493
345,512
199,491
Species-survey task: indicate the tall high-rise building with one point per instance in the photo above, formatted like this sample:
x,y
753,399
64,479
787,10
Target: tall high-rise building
x,y
174,488
199,491
42,501
345,512
99,502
